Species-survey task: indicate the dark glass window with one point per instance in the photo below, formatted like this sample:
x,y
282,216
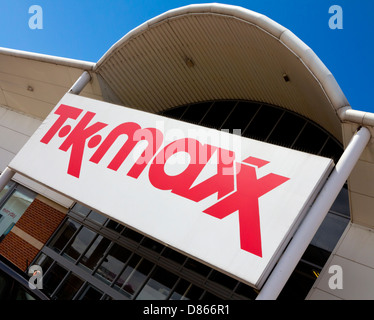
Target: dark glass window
x,y
158,286
53,278
329,232
196,112
241,116
64,235
94,254
174,255
209,297
151,244
115,226
176,113
197,267
217,114
223,279
44,262
80,243
133,235
186,291
113,263
246,291
263,123
6,189
332,150
16,201
341,204
81,209
311,139
133,276
69,288
300,282
90,293
287,130
96,217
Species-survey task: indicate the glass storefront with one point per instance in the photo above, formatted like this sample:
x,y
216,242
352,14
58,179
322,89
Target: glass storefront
x,y
91,258
14,200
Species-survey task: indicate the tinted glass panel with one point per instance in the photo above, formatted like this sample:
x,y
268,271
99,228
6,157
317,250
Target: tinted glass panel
x,y
6,189
341,204
80,243
158,286
329,232
186,291
97,217
332,150
263,123
218,113
69,288
134,276
95,252
287,130
300,282
53,278
44,262
197,267
113,263
241,116
90,293
222,279
115,226
82,210
311,139
153,245
196,112
246,291
174,255
175,113
63,236
133,235
13,209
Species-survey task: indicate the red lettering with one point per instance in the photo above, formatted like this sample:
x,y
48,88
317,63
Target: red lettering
x,y
65,112
221,183
77,141
199,155
135,134
245,200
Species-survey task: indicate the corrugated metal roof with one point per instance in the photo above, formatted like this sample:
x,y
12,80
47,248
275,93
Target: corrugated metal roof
x,y
232,53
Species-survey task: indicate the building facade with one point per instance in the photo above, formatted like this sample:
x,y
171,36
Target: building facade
x,y
219,67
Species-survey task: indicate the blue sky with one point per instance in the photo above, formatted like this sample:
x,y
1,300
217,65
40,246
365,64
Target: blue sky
x,y
85,30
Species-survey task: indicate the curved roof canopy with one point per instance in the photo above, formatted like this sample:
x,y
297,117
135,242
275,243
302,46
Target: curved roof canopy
x,y
214,51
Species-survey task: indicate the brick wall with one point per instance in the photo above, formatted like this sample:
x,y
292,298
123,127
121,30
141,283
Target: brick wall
x,y
40,220
17,250
32,231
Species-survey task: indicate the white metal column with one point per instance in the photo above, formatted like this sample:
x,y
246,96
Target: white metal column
x,y
79,85
315,216
5,177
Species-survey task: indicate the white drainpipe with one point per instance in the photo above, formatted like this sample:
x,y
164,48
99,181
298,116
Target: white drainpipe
x,y
5,177
79,85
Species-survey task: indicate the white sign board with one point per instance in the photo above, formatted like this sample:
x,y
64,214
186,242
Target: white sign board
x,y
230,202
